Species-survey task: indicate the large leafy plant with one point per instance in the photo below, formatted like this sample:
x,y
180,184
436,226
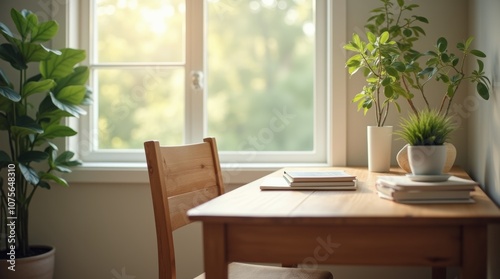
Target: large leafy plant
x,y
33,109
393,68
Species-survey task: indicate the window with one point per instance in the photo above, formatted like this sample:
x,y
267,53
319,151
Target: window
x,y
254,74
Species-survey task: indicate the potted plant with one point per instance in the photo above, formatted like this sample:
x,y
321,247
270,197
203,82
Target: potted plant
x,y
392,66
426,134
33,109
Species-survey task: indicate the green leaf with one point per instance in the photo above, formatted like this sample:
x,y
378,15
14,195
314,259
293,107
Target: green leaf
x,y
451,91
56,179
418,30
5,31
398,107
392,72
468,42
371,37
36,52
380,19
480,65
442,44
401,3
421,19
445,57
386,81
64,161
29,174
351,47
19,19
72,94
483,91
57,131
12,55
59,66
384,37
427,71
444,78
44,31
399,66
358,97
24,126
478,53
10,94
461,46
388,91
44,184
4,80
30,156
407,32
70,108
34,87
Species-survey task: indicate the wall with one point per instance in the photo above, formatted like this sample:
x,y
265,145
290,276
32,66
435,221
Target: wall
x,y
484,118
107,230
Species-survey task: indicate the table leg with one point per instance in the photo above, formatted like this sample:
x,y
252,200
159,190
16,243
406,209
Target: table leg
x,y
439,273
474,252
215,258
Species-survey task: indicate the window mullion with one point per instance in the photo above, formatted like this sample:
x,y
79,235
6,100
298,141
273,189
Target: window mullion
x,y
195,97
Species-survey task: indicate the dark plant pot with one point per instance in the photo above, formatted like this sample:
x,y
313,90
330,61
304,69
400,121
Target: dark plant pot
x,y
40,266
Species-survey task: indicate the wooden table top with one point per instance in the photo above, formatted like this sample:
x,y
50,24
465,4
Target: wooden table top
x,y
361,207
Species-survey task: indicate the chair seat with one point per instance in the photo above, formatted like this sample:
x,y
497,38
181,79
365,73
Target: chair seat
x,y
251,271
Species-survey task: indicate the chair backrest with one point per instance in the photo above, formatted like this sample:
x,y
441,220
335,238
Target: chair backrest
x,y
181,177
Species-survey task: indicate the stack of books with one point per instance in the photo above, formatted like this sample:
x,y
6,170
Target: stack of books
x,y
404,190
311,180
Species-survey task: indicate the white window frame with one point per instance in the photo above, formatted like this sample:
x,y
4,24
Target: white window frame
x,y
125,169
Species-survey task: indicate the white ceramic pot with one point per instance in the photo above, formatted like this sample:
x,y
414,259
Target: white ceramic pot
x,y
451,155
35,267
379,148
427,159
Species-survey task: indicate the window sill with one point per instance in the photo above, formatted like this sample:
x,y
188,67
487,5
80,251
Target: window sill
x,y
136,173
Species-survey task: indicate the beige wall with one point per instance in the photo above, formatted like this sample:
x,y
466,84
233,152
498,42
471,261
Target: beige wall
x,y
484,118
103,230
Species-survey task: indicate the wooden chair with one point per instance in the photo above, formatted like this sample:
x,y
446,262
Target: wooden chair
x,y
182,177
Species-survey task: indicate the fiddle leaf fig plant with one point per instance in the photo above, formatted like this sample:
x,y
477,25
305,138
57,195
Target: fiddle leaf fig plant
x,y
44,88
394,69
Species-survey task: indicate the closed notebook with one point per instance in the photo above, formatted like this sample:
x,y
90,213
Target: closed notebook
x,y
280,183
422,195
405,183
302,176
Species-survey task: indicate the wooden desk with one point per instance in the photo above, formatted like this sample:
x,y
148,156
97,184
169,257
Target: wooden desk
x,y
344,227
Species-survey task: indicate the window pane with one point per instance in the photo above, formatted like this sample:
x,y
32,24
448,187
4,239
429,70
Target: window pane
x,y
261,74
140,104
145,31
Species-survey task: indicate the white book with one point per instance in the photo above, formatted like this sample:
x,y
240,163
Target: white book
x,y
402,195
427,201
404,183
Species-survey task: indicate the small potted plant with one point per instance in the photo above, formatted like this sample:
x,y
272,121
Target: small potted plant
x,y
33,108
426,134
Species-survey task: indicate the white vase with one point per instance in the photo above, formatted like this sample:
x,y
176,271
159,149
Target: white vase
x,y
427,159
379,148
